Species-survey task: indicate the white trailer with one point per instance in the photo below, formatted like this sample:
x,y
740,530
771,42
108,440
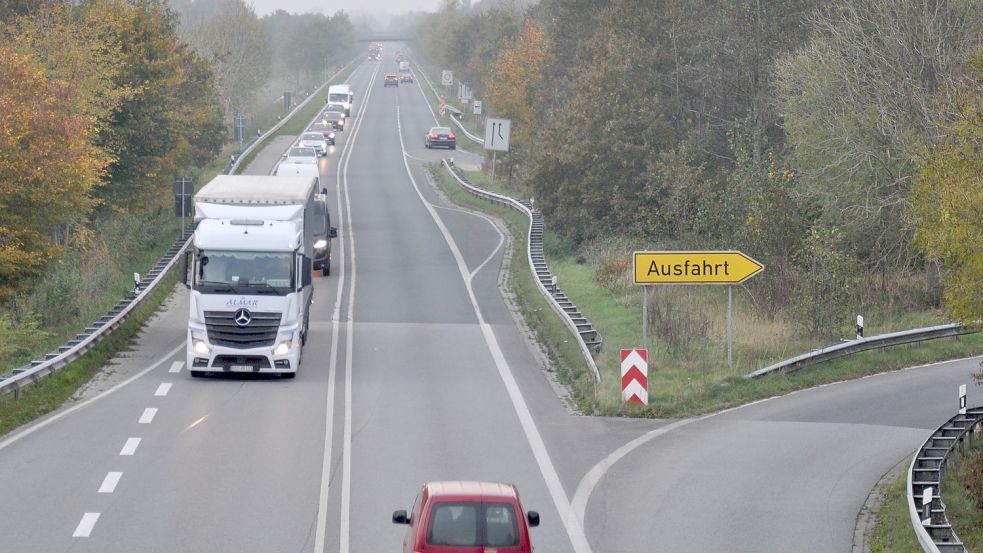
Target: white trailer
x,y
251,285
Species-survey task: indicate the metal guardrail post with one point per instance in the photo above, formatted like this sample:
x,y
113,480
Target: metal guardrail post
x,y
926,511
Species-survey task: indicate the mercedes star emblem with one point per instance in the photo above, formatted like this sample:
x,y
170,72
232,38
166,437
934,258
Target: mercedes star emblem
x,y
242,317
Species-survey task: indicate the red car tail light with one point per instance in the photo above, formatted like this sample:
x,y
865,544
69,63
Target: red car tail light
x,y
433,135
451,135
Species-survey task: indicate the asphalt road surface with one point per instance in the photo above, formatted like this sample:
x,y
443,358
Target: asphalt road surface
x,y
416,370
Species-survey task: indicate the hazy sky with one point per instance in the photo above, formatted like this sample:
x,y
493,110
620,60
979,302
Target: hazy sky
x,y
329,7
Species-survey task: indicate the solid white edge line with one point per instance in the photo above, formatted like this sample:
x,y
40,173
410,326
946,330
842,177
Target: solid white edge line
x,y
85,526
28,431
176,367
163,389
130,447
148,415
574,528
110,482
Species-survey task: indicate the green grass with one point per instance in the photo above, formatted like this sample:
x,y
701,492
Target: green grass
x,y
298,122
690,380
51,392
892,531
966,518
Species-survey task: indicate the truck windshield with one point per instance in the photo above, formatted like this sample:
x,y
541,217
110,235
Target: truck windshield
x,y
229,272
336,97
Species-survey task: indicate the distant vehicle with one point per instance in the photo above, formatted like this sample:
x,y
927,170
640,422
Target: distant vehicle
x,y
314,140
335,118
467,517
299,154
404,67
373,57
440,137
406,78
341,94
390,80
326,129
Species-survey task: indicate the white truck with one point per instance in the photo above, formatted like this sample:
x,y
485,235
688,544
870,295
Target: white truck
x,y
341,94
404,67
251,284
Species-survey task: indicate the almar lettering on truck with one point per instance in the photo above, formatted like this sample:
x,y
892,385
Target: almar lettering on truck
x,y
689,269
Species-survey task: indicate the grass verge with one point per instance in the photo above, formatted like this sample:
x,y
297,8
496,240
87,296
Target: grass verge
x,y
966,518
684,383
51,392
298,122
892,530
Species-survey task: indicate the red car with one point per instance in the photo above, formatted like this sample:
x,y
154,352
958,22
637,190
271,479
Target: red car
x,y
467,517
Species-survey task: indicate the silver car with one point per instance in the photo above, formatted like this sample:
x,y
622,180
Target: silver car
x,y
314,140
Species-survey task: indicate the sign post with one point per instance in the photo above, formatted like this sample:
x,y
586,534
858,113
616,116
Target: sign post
x,y
447,78
476,110
240,128
184,188
694,267
287,101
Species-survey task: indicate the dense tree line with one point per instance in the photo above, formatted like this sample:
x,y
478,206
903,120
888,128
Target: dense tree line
x,y
101,103
794,131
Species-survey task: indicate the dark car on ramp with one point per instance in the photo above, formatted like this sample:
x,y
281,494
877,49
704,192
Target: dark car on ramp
x,y
440,137
390,80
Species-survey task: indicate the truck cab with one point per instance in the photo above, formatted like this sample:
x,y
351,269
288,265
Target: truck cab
x,y
251,285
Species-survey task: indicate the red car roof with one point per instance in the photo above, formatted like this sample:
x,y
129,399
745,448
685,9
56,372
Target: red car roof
x,y
471,490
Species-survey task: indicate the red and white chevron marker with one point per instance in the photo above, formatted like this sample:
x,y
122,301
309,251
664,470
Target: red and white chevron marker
x,y
635,376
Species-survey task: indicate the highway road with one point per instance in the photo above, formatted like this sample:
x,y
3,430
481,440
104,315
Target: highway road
x,y
417,370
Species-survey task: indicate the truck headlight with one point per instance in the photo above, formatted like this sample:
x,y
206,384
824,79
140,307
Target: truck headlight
x,y
200,347
320,244
282,348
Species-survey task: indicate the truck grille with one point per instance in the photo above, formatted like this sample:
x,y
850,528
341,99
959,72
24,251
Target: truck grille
x,y
224,331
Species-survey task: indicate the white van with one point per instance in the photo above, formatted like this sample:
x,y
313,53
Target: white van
x,y
341,94
288,169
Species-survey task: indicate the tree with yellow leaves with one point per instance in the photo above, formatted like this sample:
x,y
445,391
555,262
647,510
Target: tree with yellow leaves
x,y
48,165
514,84
947,205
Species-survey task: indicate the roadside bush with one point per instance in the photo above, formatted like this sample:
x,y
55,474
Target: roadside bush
x,y
674,321
973,481
20,337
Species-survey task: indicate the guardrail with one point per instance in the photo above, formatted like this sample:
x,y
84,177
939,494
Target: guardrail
x,y
928,516
864,344
588,337
94,333
474,138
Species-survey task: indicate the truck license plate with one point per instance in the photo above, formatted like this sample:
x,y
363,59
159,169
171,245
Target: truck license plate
x,y
241,368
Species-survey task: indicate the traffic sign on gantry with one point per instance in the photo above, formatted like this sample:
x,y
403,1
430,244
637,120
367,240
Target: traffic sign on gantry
x,y
701,267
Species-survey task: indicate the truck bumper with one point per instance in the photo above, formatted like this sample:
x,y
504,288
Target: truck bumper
x,y
222,359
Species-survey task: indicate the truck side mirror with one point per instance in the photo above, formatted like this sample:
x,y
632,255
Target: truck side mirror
x,y
307,267
533,518
333,232
183,269
399,517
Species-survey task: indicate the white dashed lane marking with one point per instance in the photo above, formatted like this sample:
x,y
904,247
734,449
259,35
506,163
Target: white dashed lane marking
x,y
130,447
148,415
163,389
86,525
109,484
176,367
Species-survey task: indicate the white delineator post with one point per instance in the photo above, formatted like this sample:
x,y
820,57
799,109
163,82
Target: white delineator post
x,y
962,399
634,376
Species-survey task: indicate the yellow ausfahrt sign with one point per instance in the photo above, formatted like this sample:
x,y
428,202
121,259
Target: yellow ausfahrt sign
x,y
725,267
